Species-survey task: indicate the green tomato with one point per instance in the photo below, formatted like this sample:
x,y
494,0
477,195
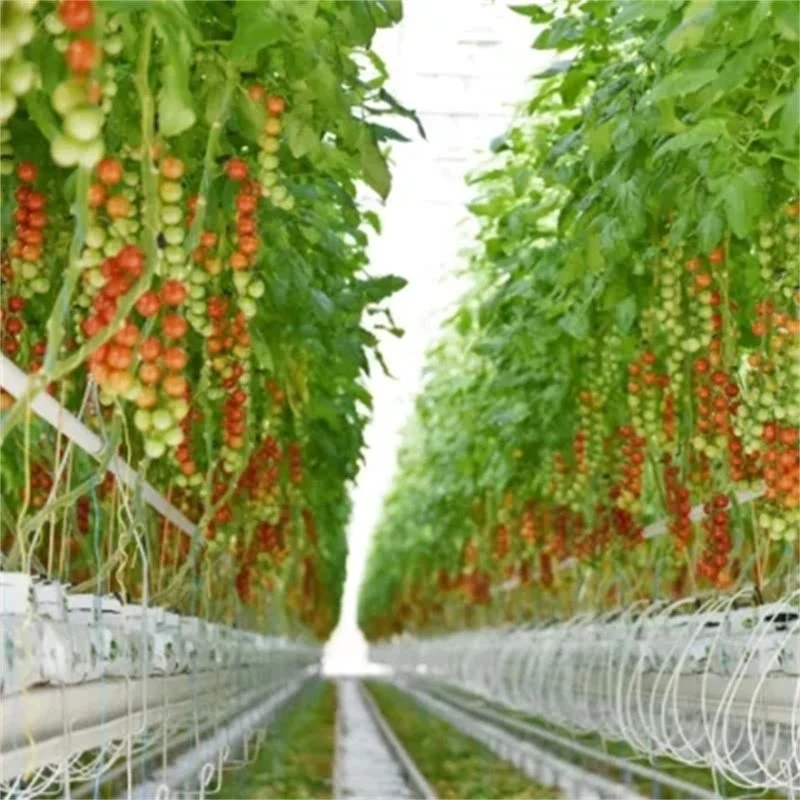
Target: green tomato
x,y
96,279
174,235
174,255
95,237
142,420
171,215
65,151
19,77
40,285
154,448
170,191
179,408
53,25
248,307
268,161
92,257
113,45
91,153
20,28
199,277
29,271
268,179
196,292
241,280
112,246
181,480
162,419
196,479
270,144
288,203
8,105
279,194
84,124
68,96
256,289
197,308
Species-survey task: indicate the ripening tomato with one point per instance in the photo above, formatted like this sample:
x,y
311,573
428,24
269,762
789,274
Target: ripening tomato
x,y
147,397
83,55
208,239
175,358
97,195
148,304
716,256
256,93
171,168
239,261
119,357
174,326
100,372
76,15
91,326
30,253
174,385
149,373
246,226
110,171
26,171
276,105
118,206
120,381
173,292
236,169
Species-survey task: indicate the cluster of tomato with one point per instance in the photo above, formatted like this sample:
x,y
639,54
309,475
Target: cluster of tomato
x,y
17,75
246,240
269,145
41,483
716,552
81,100
780,457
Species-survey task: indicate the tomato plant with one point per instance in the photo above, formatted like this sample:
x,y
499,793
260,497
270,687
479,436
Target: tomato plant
x,y
182,267
628,351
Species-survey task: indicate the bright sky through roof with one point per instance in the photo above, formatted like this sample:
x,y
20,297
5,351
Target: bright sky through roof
x,y
463,66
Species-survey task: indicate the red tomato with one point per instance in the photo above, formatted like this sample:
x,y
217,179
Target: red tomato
x,y
127,336
248,245
173,293
245,203
76,14
83,55
208,238
236,169
150,348
174,326
119,357
148,304
131,259
256,93
35,201
26,171
16,304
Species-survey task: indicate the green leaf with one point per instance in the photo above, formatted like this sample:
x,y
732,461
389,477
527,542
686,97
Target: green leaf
x,y
300,135
743,199
690,33
787,19
373,166
534,12
251,117
708,130
41,112
681,83
257,27
710,230
175,102
575,324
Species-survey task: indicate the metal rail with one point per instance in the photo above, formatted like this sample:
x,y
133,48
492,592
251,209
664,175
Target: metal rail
x,y
547,738
370,760
534,761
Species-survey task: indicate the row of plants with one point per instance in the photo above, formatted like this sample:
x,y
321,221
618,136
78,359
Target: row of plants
x,y
629,349
183,260
455,766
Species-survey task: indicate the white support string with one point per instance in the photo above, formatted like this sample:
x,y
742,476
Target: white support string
x,y
16,383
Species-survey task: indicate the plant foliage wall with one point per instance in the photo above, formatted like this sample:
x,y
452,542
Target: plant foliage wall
x,y
630,349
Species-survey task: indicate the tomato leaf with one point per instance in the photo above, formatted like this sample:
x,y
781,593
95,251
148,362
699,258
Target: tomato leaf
x,y
373,165
534,12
